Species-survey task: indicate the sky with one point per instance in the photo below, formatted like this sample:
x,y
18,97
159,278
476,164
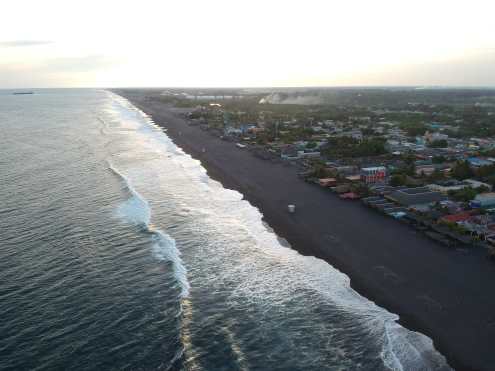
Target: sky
x,y
251,43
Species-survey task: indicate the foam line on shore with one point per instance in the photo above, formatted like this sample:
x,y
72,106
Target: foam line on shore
x,y
402,348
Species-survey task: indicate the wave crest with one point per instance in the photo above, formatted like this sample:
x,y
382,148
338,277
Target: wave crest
x,y
136,210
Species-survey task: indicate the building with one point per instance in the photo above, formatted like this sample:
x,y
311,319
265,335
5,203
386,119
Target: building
x,y
353,178
432,137
412,197
304,154
289,152
484,200
346,170
478,162
455,218
445,189
476,184
453,186
425,170
327,182
230,130
354,134
374,174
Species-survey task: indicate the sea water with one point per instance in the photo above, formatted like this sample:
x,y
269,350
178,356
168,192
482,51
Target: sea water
x,y
117,251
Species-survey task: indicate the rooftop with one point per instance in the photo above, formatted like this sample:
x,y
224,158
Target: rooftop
x,y
415,196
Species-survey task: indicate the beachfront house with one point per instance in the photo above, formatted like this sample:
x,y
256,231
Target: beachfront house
x,y
417,197
289,152
374,174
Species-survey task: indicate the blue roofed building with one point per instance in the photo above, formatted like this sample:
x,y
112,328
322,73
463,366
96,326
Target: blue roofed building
x,y
478,162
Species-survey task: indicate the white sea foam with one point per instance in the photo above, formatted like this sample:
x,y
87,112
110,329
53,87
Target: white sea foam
x,y
136,210
164,248
401,349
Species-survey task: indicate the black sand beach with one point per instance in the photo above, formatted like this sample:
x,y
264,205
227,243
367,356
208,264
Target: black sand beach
x,y
445,294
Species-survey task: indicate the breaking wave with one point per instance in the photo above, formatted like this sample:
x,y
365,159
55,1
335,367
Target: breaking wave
x,y
136,210
402,349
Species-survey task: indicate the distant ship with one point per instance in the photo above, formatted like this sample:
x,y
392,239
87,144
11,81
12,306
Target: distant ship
x,y
23,92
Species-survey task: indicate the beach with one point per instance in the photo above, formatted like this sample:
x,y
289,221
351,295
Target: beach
x,y
442,293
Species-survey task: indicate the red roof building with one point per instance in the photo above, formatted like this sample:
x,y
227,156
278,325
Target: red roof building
x,y
349,196
454,218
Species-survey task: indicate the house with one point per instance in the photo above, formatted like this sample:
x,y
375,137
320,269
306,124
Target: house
x,y
289,152
432,137
346,170
230,130
353,178
349,196
425,170
374,174
478,162
354,134
484,200
304,154
446,187
477,184
327,182
411,197
454,218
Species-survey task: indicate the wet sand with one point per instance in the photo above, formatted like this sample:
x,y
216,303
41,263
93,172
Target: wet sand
x,y
445,294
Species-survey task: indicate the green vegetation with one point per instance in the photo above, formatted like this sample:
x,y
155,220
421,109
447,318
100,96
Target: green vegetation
x,y
467,194
414,129
291,135
350,147
485,171
463,195
407,168
441,143
454,227
398,180
319,170
462,170
436,176
438,159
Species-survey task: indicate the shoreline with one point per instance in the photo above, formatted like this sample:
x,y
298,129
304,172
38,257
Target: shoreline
x,y
436,291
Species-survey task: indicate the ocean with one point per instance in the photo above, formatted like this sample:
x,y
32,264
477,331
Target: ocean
x,y
118,252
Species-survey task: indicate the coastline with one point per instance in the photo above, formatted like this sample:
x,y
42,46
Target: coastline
x,y
436,291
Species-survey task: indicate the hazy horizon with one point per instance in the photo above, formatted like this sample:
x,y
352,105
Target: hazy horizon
x,y
256,44
314,87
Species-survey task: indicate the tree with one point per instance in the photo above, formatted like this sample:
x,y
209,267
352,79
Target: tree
x,y
398,180
311,145
368,131
439,143
463,195
462,170
319,170
436,176
361,189
483,189
438,159
491,180
485,171
414,130
408,168
350,147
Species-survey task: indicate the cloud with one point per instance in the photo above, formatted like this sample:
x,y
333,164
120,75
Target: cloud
x,y
23,43
56,72
86,63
